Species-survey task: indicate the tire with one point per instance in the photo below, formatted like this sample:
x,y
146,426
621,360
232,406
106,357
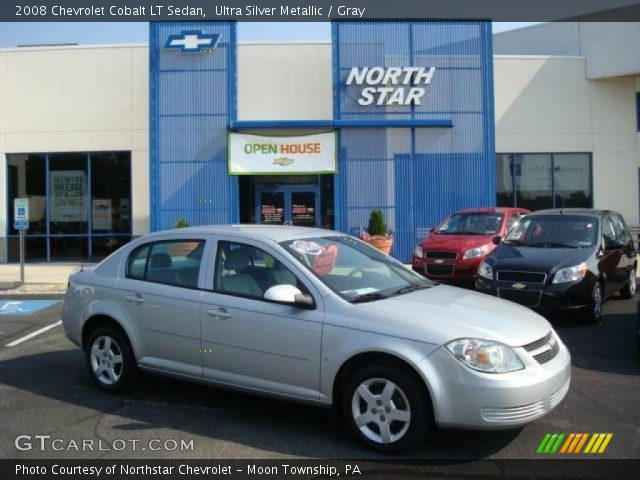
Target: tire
x,y
594,313
110,359
365,397
629,290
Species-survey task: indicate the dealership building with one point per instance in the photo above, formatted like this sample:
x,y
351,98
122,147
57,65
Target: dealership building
x,y
418,119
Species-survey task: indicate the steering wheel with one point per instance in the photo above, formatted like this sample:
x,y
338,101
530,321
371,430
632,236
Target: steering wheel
x,y
352,273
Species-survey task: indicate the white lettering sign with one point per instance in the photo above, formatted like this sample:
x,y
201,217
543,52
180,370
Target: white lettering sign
x,y
391,85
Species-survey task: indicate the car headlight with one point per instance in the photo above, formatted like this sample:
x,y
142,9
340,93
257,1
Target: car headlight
x,y
485,270
418,252
475,252
485,356
570,274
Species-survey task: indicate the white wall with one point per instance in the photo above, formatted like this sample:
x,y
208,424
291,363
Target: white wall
x,y
65,99
285,81
546,104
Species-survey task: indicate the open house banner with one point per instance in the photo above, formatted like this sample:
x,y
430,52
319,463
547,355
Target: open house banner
x,y
258,154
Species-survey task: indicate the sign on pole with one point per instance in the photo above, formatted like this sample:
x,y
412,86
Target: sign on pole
x,y
21,223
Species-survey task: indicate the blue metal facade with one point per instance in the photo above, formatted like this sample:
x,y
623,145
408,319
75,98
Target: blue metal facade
x,y
415,175
416,163
192,102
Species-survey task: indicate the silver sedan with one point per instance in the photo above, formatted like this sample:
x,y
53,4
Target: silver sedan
x,y
320,317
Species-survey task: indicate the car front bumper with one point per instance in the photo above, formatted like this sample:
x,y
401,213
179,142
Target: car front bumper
x,y
462,270
466,398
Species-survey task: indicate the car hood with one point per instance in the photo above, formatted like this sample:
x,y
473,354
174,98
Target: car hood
x,y
443,313
457,243
537,259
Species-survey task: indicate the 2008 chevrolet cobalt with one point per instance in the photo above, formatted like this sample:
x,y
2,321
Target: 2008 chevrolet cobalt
x,y
317,316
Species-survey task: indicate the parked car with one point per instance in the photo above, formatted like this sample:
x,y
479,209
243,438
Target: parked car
x,y
569,259
454,249
315,316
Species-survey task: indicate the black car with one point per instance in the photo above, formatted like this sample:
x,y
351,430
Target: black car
x,y
568,259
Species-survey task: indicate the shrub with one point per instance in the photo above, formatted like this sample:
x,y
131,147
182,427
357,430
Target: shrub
x,y
376,223
181,223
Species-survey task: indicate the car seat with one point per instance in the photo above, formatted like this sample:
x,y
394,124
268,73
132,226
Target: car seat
x,y
239,282
160,269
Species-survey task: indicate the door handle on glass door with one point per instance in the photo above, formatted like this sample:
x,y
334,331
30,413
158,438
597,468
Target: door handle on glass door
x,y
218,313
137,298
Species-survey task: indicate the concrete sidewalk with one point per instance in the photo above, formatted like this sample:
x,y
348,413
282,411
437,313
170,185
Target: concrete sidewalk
x,y
38,277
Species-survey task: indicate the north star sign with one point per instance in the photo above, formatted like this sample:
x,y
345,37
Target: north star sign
x,y
391,85
193,41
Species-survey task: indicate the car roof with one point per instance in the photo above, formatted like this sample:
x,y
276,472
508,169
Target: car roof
x,y
277,233
492,210
573,211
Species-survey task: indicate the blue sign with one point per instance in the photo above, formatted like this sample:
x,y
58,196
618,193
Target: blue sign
x,y
21,224
26,307
193,41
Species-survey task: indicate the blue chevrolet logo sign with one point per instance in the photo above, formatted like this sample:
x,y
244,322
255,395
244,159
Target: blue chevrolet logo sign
x,y
193,41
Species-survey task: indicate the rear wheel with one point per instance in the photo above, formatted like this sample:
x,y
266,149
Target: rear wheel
x,y
629,290
386,409
110,360
594,313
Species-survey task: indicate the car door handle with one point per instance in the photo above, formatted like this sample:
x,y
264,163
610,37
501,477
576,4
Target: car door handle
x,y
218,313
137,298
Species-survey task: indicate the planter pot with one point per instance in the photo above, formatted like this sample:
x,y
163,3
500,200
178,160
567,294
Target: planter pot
x,y
383,244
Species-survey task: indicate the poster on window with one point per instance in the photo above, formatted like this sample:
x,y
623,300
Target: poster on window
x,y
101,214
68,196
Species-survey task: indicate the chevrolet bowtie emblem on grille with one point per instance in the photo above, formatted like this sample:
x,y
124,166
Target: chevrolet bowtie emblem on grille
x,y
439,261
519,286
193,41
283,161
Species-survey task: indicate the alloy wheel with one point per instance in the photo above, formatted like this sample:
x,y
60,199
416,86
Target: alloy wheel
x,y
597,301
381,410
106,360
632,282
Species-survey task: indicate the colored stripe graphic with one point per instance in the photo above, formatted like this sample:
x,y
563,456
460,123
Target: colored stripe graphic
x,y
573,443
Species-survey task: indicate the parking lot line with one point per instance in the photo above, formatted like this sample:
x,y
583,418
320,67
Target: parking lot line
x,y
33,334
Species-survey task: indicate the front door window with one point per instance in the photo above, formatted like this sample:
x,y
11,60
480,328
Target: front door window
x,y
288,206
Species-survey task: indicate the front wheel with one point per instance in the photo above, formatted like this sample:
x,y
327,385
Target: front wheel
x,y
594,313
386,409
629,290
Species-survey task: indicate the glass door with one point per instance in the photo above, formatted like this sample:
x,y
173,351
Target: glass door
x,y
291,205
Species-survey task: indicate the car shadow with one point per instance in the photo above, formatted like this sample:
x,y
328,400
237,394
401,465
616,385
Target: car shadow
x,y
608,346
165,406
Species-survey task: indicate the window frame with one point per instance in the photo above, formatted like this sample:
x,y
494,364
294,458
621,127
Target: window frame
x,y
514,192
150,245
219,247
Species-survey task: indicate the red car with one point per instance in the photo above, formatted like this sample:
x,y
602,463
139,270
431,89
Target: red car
x,y
454,249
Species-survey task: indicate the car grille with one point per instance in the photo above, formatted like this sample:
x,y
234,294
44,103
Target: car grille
x,y
440,254
557,397
544,349
528,298
441,270
525,277
524,412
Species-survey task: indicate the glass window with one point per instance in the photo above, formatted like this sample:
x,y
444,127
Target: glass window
x,y
533,181
618,229
472,223
171,262
354,270
572,180
102,247
35,249
111,200
608,232
504,181
513,219
248,271
68,193
26,178
69,249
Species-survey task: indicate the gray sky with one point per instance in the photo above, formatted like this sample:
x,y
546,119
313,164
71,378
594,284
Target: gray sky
x,y
29,33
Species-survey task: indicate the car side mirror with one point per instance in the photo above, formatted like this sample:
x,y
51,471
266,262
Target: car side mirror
x,y
432,229
289,294
497,240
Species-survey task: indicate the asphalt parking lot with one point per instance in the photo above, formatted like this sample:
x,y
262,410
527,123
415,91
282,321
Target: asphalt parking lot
x,y
46,390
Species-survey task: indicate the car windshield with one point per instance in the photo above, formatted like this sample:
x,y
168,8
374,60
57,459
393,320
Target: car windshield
x,y
471,223
353,269
555,231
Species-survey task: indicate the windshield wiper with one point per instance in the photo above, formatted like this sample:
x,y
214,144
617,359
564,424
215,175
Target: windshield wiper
x,y
407,289
520,243
368,297
552,245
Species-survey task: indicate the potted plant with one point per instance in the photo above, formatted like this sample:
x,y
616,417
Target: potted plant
x,y
181,223
377,234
